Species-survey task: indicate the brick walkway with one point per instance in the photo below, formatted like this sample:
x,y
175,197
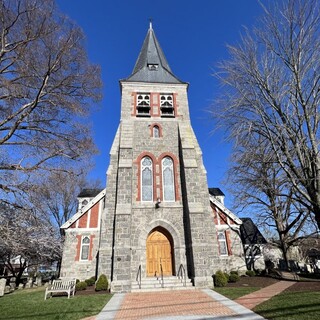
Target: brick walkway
x,y
178,305
186,305
173,303
253,299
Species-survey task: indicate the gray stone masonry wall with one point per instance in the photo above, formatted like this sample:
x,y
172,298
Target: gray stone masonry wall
x,y
81,270
108,214
127,222
202,244
236,261
3,282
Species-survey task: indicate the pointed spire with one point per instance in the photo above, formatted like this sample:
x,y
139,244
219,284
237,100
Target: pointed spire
x,y
152,65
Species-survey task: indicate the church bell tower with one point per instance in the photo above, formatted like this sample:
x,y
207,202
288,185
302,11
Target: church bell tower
x,y
157,218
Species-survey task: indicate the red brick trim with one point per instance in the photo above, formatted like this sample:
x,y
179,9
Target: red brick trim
x,y
78,247
94,216
160,129
83,221
134,104
156,104
175,169
138,162
228,239
91,247
175,104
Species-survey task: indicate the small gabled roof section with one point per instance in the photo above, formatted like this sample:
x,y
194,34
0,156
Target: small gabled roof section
x,y
224,209
216,192
84,209
89,193
250,233
151,65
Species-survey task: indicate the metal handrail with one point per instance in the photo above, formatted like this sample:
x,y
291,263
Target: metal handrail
x,y
138,278
162,282
182,272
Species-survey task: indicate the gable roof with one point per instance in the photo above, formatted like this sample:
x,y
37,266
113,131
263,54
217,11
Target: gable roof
x,y
225,210
89,193
216,192
152,65
250,233
83,210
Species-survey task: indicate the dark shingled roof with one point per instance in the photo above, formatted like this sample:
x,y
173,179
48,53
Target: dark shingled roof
x,y
249,232
89,193
216,192
152,54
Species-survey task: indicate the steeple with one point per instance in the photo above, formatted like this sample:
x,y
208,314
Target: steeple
x,y
152,65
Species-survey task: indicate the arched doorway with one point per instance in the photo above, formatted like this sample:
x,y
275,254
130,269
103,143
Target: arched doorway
x,y
159,252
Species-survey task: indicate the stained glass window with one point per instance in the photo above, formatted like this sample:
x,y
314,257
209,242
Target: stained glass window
x,y
222,244
146,179
85,248
156,133
168,179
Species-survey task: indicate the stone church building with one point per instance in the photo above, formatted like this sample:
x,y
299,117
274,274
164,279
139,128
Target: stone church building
x,y
156,219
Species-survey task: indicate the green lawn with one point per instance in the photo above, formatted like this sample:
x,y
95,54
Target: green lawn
x,y
235,292
30,304
291,306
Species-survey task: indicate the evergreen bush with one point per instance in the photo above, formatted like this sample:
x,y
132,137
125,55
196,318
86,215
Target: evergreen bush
x,y
81,285
234,272
234,277
227,276
250,273
220,279
91,281
102,283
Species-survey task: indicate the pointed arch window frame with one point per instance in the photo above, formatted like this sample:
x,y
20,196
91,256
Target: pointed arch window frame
x,y
165,186
143,168
85,248
223,245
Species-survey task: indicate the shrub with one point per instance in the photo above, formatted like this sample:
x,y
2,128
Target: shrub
x,y
250,273
227,276
77,281
234,277
81,285
102,283
220,279
234,272
91,281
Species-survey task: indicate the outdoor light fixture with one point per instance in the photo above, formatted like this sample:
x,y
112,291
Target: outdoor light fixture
x,y
158,203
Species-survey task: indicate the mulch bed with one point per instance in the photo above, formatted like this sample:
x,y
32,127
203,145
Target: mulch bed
x,y
89,290
304,286
258,282
262,282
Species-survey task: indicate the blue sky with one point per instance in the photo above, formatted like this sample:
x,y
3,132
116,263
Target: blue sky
x,y
193,36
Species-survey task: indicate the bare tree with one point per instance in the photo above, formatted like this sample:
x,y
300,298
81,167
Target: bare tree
x,y
28,236
272,92
56,199
261,185
47,86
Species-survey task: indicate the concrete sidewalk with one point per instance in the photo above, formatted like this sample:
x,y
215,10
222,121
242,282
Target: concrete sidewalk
x,y
174,305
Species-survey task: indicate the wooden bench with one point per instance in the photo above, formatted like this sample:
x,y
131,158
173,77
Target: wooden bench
x,y
61,285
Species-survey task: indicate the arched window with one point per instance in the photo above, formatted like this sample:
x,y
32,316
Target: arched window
x,y
85,245
155,132
168,179
222,244
146,179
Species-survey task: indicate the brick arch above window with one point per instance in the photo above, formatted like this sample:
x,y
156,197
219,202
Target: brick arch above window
x,y
152,128
175,172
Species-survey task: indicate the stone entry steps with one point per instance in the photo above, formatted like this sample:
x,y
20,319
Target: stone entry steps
x,y
154,284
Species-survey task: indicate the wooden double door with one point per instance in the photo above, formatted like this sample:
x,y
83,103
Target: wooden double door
x,y
159,252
